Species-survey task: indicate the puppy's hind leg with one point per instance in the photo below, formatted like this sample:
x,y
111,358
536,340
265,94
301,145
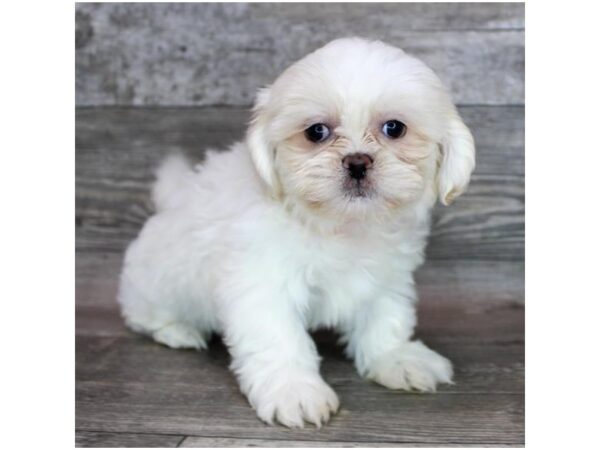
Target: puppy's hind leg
x,y
180,335
162,292
160,314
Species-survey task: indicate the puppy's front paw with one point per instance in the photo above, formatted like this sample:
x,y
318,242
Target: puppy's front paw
x,y
412,366
292,400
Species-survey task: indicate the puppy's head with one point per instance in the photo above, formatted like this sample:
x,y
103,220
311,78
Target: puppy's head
x,y
359,127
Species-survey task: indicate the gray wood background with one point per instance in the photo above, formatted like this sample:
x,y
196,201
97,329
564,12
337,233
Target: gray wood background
x,y
156,78
218,54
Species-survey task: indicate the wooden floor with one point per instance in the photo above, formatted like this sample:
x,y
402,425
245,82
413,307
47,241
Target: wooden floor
x,y
133,392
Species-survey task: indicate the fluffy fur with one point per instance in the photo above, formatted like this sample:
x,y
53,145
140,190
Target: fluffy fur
x,y
273,238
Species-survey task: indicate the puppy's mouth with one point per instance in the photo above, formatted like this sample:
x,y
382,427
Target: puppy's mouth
x,y
358,189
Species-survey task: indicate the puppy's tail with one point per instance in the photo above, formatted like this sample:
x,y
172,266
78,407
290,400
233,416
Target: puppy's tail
x,y
174,182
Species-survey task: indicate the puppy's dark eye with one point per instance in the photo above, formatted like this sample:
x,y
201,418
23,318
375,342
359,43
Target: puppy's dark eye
x,y
394,129
317,132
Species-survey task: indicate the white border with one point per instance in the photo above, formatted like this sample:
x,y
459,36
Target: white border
x,y
37,193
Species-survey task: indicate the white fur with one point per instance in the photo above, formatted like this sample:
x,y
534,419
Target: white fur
x,y
263,242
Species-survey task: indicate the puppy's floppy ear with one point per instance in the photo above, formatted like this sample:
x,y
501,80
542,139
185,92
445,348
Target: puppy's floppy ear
x,y
262,151
457,159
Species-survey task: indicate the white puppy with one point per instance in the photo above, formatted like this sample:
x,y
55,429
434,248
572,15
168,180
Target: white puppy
x,y
317,220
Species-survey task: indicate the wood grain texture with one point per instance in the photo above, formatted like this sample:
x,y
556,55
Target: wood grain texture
x,y
117,151
219,54
368,413
219,442
128,440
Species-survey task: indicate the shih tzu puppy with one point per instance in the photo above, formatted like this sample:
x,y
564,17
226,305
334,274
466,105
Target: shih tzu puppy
x,y
318,219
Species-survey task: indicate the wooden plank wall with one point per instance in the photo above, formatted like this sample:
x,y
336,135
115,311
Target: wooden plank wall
x,y
218,54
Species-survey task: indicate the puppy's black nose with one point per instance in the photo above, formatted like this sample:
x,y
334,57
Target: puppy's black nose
x,y
357,164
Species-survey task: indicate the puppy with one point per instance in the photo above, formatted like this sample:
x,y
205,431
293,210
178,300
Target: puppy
x,y
318,219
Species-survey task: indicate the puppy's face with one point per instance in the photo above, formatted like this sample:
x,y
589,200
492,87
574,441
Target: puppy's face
x,y
359,128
